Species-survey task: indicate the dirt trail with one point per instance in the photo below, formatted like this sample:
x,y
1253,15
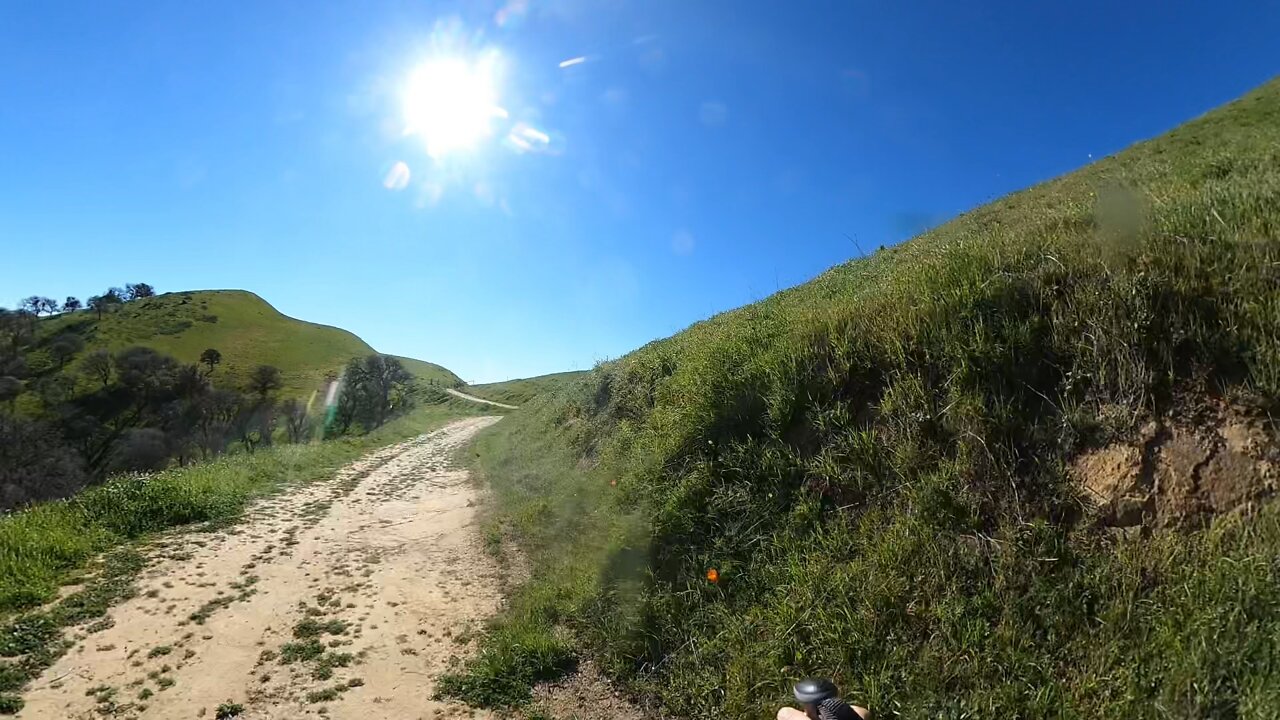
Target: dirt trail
x,y
377,569
473,398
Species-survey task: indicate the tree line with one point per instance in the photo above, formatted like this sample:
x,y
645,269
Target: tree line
x,y
71,417
38,305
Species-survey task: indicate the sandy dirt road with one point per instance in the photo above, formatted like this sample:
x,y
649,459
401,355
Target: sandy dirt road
x,y
339,599
473,398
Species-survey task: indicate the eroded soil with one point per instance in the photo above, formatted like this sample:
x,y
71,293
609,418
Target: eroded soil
x,y
1183,471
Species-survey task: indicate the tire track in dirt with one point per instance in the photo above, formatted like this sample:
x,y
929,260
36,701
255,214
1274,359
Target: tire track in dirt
x,y
342,599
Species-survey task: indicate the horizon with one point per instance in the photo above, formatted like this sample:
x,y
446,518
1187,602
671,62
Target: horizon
x,y
642,168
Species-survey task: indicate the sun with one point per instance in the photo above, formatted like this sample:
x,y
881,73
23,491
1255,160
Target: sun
x,y
451,103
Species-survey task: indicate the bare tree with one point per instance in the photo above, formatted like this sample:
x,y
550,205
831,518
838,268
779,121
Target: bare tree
x,y
15,365
64,347
190,383
144,449
54,390
97,365
264,380
143,396
145,372
10,389
296,420
216,419
254,423
377,386
35,463
17,329
137,291
37,305
105,302
344,412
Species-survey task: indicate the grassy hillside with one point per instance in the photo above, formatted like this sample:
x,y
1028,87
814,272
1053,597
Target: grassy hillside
x,y
242,326
878,465
430,372
522,390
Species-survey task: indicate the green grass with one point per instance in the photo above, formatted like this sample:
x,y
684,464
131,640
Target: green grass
x,y
430,372
875,462
522,390
242,326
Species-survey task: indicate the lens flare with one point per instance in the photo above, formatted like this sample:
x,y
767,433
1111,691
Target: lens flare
x,y
451,103
397,177
524,138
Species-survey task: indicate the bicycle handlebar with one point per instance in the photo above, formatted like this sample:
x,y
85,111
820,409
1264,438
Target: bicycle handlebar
x,y
820,699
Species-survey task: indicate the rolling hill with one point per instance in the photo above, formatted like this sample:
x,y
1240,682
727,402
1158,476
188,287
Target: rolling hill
x,y
246,329
1018,466
521,390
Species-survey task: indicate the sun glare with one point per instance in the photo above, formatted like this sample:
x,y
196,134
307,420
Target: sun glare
x,y
451,103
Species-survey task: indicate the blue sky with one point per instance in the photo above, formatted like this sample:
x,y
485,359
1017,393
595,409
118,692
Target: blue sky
x,y
699,155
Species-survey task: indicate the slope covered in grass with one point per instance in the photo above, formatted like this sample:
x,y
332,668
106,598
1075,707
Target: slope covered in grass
x,y
521,390
430,373
242,326
877,465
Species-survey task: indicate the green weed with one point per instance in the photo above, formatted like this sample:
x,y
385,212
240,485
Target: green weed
x,y
310,627
328,694
301,651
325,664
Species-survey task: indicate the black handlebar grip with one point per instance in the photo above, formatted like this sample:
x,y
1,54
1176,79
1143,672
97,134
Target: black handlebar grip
x,y
821,700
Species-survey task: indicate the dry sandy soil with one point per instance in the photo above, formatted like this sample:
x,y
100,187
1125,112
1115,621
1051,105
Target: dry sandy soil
x,y
473,398
1212,461
342,599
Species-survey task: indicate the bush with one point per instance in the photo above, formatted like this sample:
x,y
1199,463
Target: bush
x,y
35,464
141,450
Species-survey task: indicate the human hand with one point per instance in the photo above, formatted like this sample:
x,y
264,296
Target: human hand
x,y
790,713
